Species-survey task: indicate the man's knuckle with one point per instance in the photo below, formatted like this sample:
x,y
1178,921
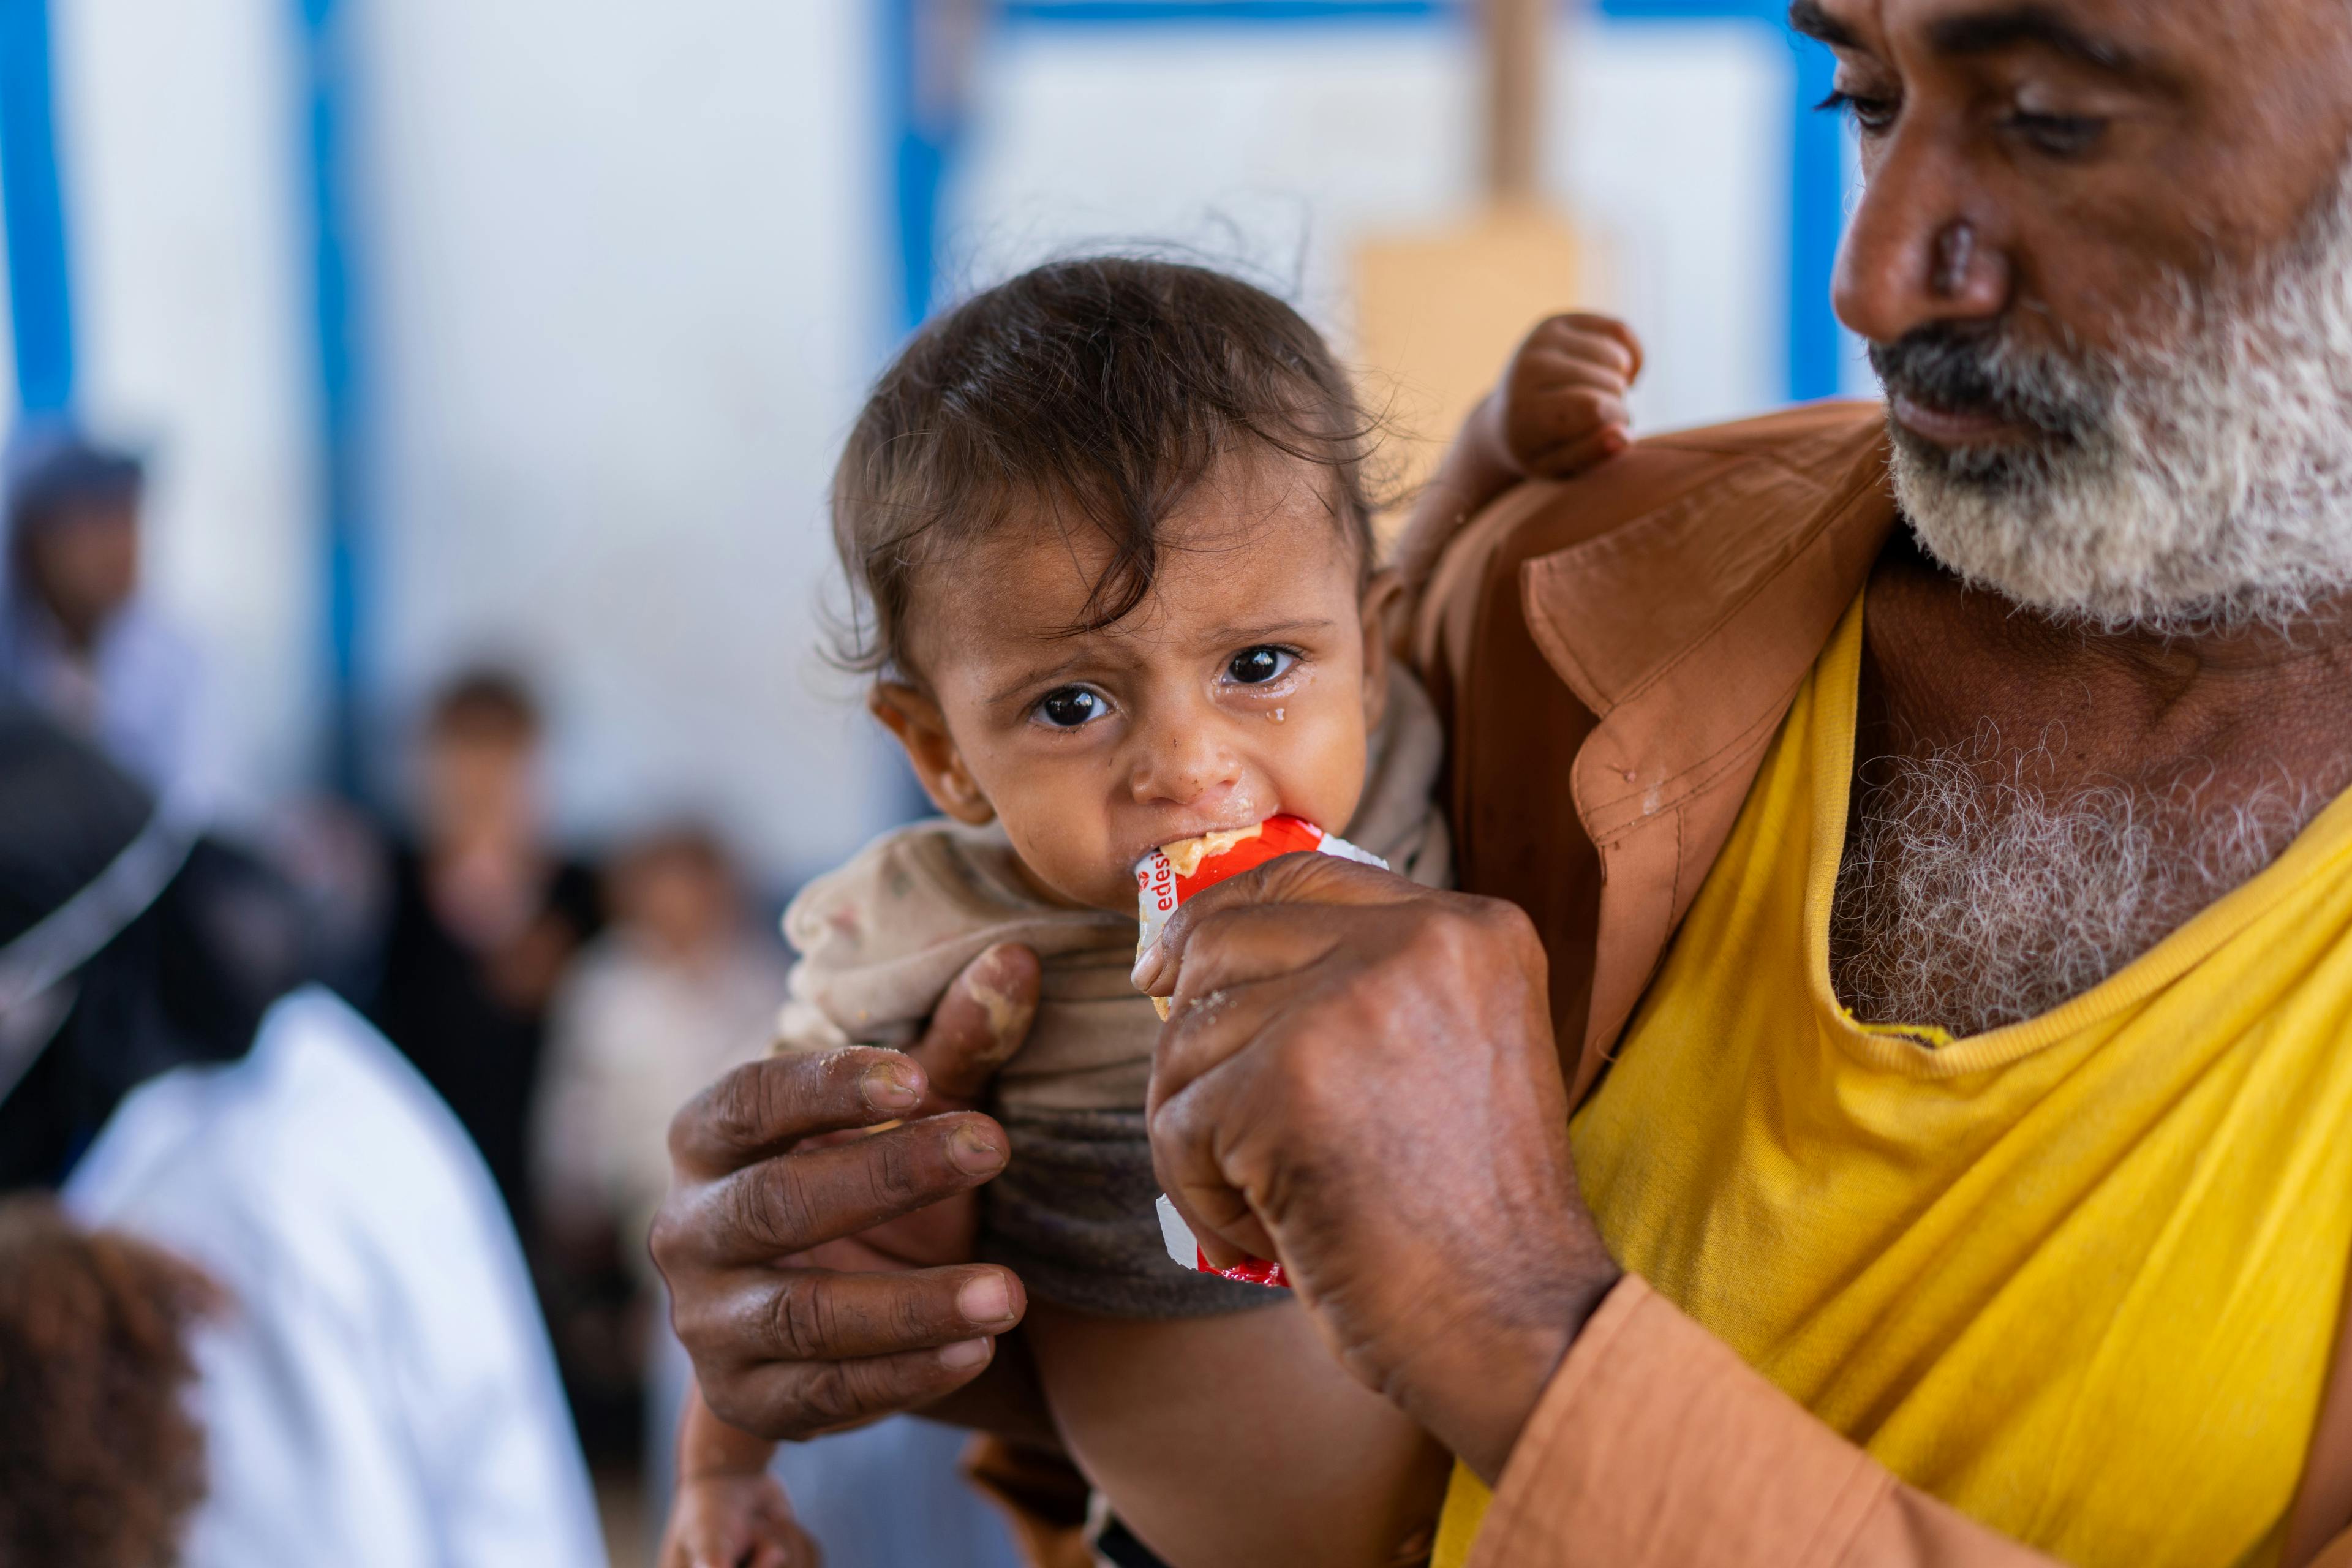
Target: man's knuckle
x,y
768,1208
912,1319
801,1318
737,1106
894,1172
829,1394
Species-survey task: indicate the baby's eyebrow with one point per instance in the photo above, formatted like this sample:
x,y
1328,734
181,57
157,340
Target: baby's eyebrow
x,y
1264,631
1035,674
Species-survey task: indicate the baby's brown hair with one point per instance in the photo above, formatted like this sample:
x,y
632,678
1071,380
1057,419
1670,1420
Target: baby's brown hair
x,y
1105,388
101,1463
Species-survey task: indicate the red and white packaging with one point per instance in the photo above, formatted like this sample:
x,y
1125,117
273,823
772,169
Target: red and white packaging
x,y
1175,874
1168,877
1185,1248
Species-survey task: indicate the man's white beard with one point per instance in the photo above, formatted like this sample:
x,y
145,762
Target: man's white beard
x,y
1969,905
2204,483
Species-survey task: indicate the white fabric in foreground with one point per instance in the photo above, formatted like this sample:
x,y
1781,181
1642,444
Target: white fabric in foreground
x,y
382,1395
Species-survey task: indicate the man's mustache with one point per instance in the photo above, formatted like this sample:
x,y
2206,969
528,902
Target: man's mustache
x,y
1975,371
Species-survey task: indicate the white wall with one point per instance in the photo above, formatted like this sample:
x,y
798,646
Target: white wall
x,y
626,297
1284,147
180,151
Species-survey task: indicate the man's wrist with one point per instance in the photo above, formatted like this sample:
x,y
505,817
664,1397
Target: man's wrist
x,y
1481,1407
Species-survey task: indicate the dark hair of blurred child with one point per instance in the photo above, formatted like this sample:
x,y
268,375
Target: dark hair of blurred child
x,y
101,1463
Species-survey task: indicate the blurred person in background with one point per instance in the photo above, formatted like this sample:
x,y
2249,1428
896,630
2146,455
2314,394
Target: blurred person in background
x,y
101,1464
485,918
77,639
376,1389
679,988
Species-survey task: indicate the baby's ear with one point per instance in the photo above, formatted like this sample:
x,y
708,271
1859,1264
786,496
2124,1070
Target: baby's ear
x,y
911,714
1383,597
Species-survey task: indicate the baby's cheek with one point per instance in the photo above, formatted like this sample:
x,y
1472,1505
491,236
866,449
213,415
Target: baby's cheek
x,y
1320,772
1067,853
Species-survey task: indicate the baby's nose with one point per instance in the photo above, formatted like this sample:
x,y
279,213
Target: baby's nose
x,y
1186,765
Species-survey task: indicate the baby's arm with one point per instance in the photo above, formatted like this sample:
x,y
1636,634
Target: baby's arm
x,y
1233,1440
729,1511
1560,409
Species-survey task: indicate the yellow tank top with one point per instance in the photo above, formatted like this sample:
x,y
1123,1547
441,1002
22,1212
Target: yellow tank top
x,y
2078,1277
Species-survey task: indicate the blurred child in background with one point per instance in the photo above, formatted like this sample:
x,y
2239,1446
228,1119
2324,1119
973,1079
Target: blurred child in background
x,y
485,916
682,987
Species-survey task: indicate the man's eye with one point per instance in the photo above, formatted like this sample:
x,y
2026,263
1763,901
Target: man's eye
x,y
2059,135
1071,707
1872,116
1256,665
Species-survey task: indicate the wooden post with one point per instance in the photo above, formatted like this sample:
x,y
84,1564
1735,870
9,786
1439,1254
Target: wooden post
x,y
1516,44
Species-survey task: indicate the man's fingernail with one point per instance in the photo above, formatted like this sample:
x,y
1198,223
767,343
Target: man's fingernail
x,y
986,1300
1145,962
890,1086
964,1354
975,1151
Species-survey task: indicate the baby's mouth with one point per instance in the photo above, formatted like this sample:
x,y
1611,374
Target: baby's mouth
x,y
1185,855
1186,850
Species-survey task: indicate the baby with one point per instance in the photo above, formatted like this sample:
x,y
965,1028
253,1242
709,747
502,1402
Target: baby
x,y
1109,528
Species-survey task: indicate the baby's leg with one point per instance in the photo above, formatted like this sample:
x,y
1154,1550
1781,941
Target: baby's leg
x,y
1228,1441
729,1511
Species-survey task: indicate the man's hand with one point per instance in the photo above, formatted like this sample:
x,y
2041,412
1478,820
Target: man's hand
x,y
1358,1077
821,1277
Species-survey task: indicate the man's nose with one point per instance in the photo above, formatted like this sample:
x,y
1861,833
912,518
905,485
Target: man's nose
x,y
1922,249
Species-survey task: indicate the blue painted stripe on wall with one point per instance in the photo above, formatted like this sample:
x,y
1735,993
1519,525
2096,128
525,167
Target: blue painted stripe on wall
x,y
917,155
1816,224
1116,12
40,291
327,76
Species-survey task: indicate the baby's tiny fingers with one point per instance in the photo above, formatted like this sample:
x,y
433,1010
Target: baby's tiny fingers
x,y
1588,327
1572,457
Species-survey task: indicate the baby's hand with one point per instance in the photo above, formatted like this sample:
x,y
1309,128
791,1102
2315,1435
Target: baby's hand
x,y
734,1519
1563,401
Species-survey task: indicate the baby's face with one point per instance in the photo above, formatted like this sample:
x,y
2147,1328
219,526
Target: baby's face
x,y
1244,687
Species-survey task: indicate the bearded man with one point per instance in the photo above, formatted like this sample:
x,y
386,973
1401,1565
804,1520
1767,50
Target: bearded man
x,y
1880,1096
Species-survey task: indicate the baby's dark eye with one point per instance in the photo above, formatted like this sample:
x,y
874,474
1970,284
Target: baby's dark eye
x,y
1070,707
1256,665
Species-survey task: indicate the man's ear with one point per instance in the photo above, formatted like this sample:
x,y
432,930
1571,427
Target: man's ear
x,y
1383,597
911,714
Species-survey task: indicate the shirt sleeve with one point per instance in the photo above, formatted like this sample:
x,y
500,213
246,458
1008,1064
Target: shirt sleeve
x,y
1654,1443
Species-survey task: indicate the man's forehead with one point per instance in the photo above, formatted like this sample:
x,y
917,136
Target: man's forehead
x,y
2115,33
